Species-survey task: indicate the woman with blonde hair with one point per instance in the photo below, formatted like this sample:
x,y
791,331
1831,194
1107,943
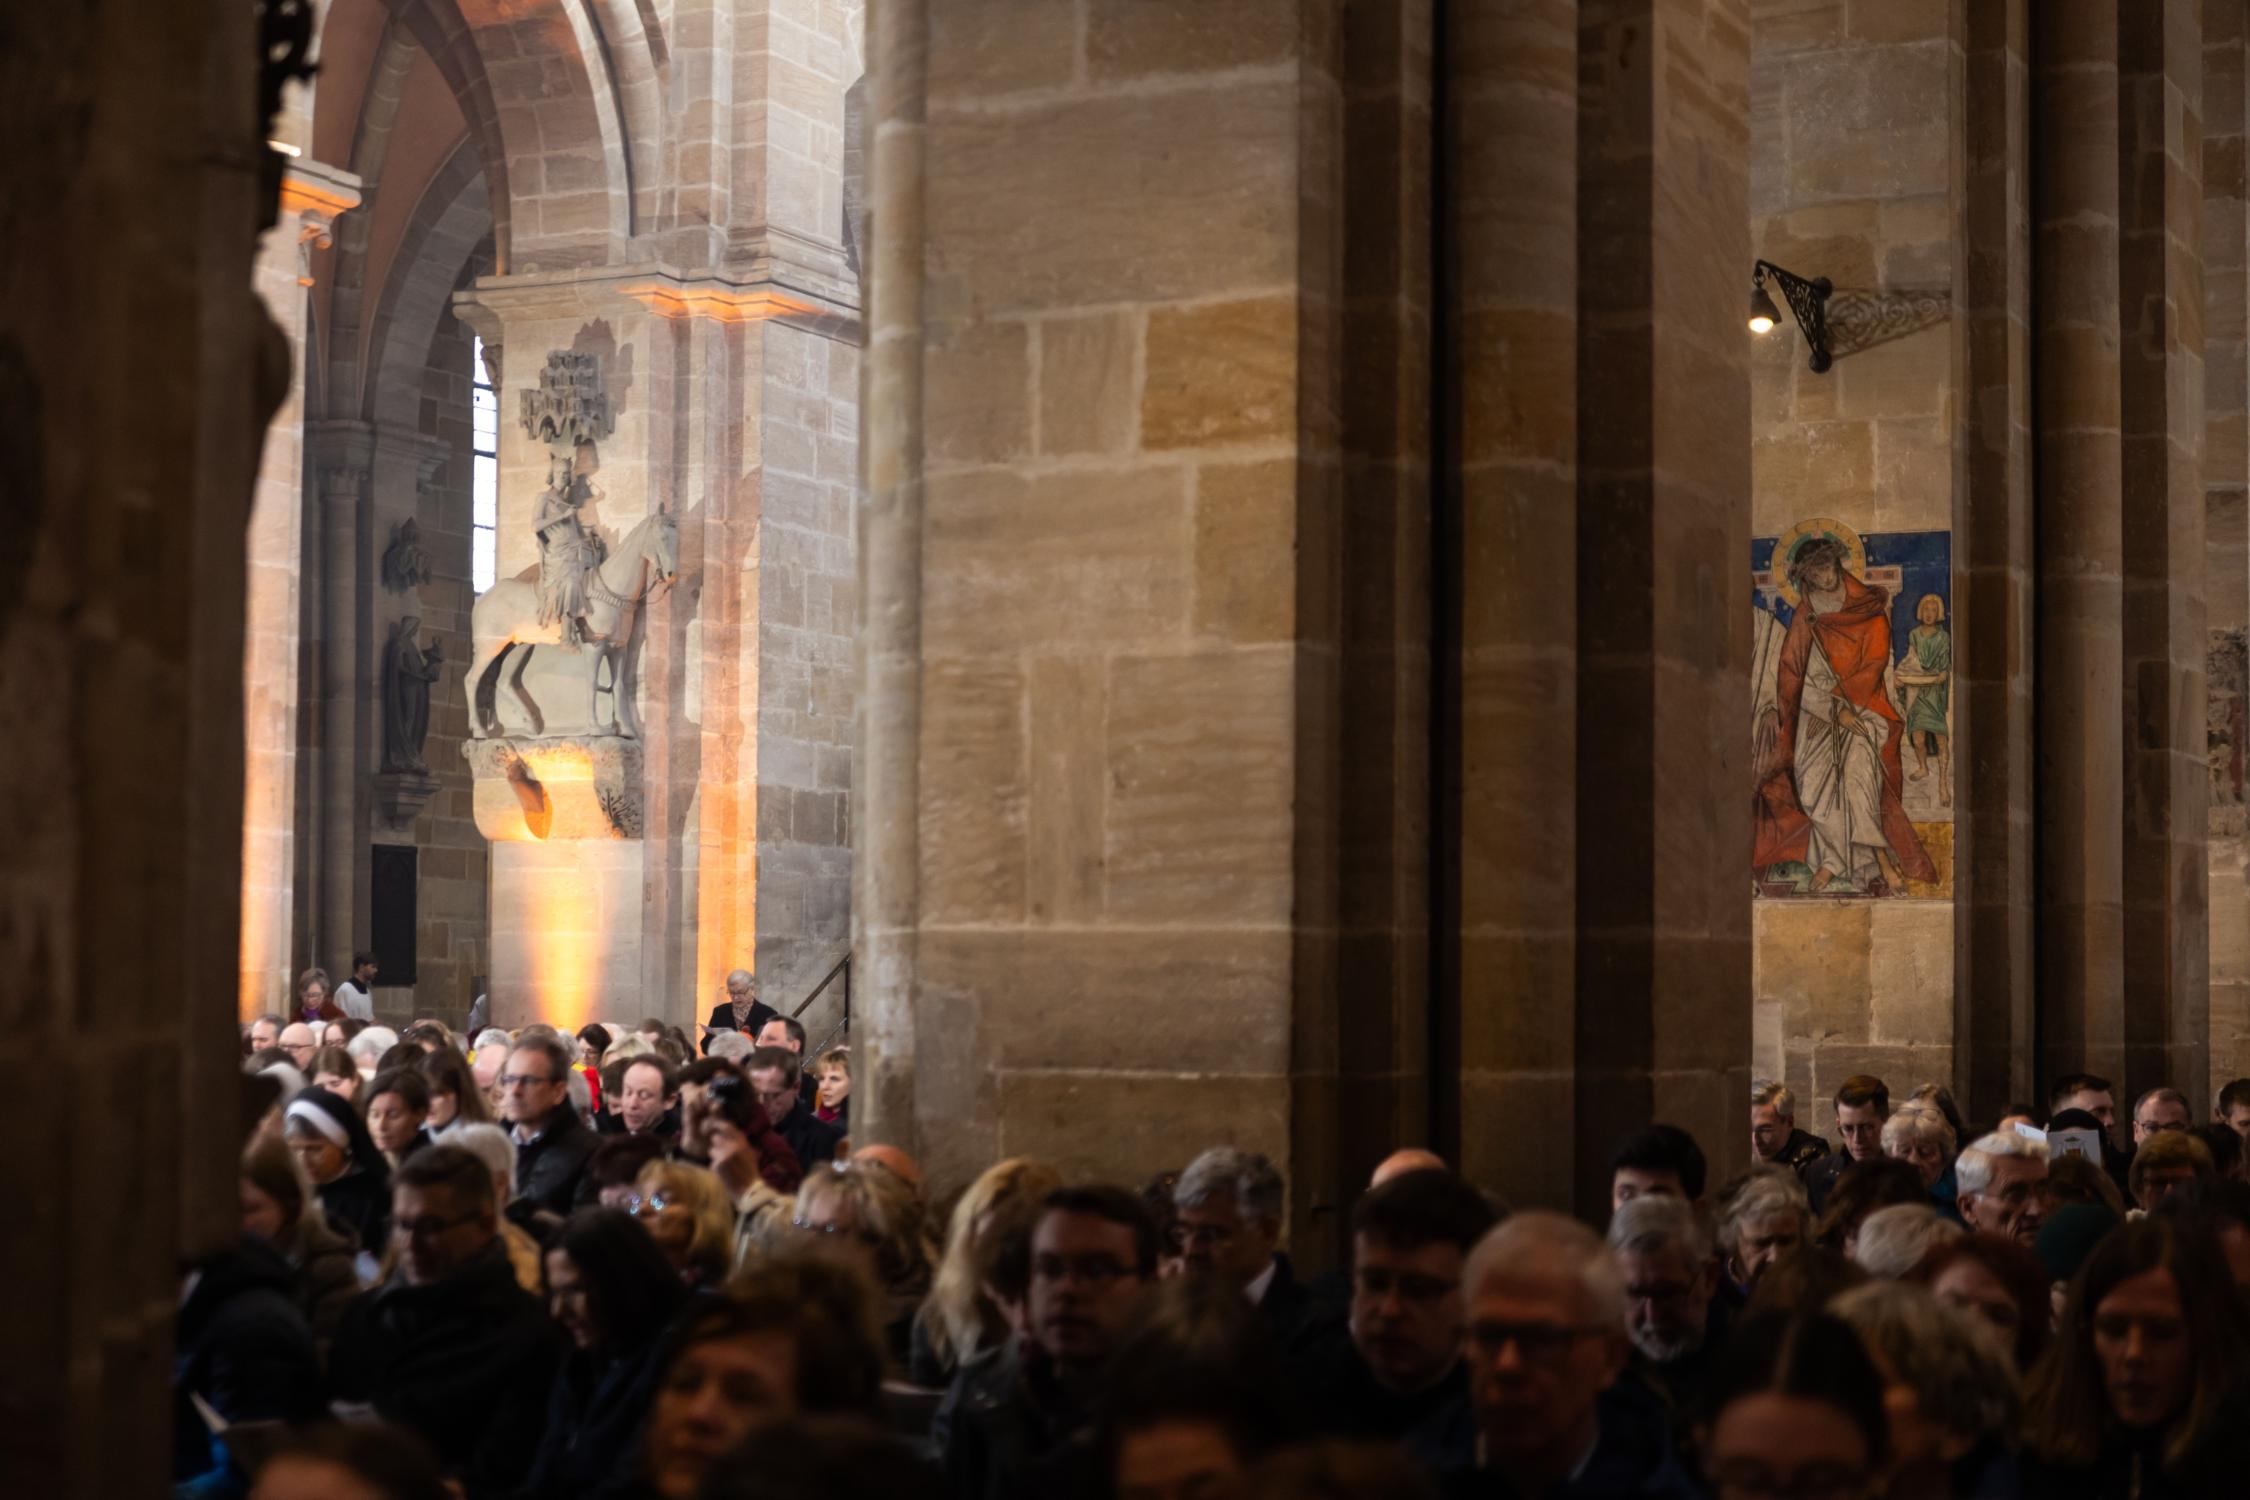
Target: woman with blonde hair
x,y
864,1213
957,1321
687,1211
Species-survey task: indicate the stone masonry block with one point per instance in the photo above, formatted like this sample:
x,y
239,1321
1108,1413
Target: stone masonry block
x,y
1220,373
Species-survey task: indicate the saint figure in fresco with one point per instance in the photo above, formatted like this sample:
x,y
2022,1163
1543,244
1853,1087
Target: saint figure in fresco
x,y
1926,675
1828,765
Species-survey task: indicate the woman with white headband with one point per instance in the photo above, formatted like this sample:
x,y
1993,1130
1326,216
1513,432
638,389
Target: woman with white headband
x,y
331,1142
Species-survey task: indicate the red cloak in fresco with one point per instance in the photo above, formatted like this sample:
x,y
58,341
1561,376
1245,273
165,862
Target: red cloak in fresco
x,y
1857,639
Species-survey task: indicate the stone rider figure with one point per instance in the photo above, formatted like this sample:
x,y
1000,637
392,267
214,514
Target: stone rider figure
x,y
566,553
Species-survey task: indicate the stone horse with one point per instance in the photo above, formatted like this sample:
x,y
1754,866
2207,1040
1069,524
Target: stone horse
x,y
647,560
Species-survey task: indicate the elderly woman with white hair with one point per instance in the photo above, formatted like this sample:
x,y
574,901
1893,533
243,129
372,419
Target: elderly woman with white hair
x,y
1921,1136
1952,1394
368,1047
489,1144
1763,1216
1894,1241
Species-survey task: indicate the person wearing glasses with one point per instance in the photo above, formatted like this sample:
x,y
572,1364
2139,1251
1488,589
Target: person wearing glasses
x,y
2003,1181
1673,1314
1547,1414
866,1215
1397,1361
1230,1206
552,1142
775,1073
1009,1422
452,1347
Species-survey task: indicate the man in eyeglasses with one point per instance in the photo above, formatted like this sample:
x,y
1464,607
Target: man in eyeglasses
x,y
774,1073
1007,1424
1230,1206
1547,1414
452,1348
552,1143
1672,1314
1397,1360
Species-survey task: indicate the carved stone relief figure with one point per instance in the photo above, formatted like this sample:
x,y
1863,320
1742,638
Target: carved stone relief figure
x,y
408,671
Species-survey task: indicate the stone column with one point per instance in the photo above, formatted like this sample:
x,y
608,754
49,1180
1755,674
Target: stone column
x,y
313,195
1104,857
2080,540
343,456
138,371
1507,434
1662,1025
1995,874
2226,491
2160,195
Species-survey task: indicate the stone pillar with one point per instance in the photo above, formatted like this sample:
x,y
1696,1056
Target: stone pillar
x,y
1105,866
313,195
1662,1026
2160,194
1507,435
344,459
2226,491
1995,873
2080,540
138,370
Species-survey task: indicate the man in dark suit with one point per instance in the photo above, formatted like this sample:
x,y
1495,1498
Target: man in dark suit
x,y
1230,1206
741,1011
774,1076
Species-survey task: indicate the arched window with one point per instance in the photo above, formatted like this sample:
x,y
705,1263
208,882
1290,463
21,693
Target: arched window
x,y
484,507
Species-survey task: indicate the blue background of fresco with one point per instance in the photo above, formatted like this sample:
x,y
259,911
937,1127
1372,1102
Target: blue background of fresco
x,y
1925,561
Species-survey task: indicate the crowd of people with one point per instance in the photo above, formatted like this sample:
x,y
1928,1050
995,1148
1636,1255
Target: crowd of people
x,y
533,1264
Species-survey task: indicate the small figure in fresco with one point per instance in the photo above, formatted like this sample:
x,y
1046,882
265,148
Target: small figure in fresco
x,y
1926,675
1828,767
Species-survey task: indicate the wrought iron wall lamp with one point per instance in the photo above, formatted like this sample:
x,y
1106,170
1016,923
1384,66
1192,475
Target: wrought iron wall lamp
x,y
1808,300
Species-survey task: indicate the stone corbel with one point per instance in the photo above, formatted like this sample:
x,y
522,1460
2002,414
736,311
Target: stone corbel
x,y
537,790
316,195
401,795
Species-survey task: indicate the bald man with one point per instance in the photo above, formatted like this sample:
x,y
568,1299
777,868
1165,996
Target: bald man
x,y
299,1041
1399,1163
905,1168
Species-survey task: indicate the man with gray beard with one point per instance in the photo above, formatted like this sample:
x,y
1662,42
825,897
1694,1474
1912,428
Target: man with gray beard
x,y
1675,1321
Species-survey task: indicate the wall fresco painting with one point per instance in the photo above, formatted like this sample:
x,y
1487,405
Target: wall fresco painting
x,y
1851,719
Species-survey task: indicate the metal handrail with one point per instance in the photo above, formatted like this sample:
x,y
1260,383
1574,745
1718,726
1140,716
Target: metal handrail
x,y
843,968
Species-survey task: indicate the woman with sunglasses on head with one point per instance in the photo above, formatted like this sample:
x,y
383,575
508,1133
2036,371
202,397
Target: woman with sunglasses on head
x,y
865,1214
687,1211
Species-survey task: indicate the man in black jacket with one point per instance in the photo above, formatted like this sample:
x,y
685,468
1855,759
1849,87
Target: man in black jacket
x,y
774,1073
1863,1103
1007,1425
1774,1136
1230,1209
1398,1361
552,1143
452,1347
243,1347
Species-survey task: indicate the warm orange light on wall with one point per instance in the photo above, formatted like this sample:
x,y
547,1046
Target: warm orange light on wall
x,y
724,304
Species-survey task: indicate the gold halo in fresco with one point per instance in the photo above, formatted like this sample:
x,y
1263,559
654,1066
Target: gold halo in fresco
x,y
1785,547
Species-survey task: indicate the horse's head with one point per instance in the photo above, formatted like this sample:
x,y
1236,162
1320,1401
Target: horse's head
x,y
664,548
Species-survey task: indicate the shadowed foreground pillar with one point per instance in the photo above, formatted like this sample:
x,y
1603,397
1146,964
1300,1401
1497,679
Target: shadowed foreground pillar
x,y
137,371
1662,985
2080,622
